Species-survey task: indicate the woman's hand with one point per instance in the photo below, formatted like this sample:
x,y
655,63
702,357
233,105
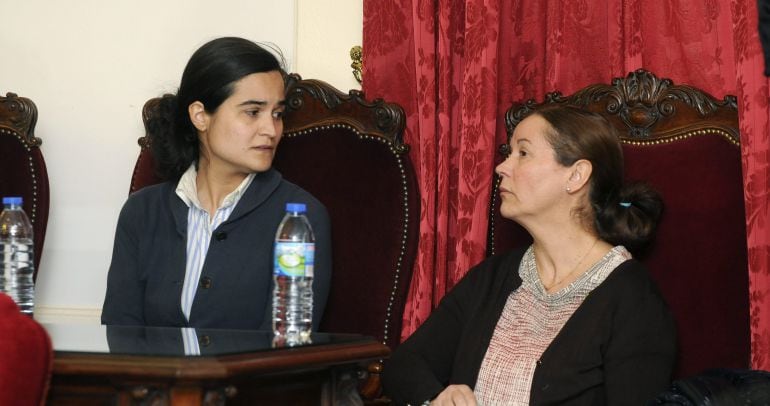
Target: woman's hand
x,y
455,395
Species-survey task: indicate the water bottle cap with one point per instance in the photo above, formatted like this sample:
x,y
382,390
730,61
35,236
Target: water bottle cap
x,y
13,200
296,207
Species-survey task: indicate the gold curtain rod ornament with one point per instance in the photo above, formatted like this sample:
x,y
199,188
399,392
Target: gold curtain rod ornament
x,y
356,54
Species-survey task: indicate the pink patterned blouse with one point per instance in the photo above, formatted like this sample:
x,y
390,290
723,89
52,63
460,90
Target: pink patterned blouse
x,y
530,321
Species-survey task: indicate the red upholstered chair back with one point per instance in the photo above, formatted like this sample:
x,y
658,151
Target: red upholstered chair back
x,y
686,145
348,152
26,357
22,167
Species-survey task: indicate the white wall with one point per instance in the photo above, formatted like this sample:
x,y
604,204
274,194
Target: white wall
x,y
89,66
327,29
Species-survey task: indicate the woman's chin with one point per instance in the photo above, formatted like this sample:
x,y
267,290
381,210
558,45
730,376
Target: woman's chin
x,y
263,166
508,213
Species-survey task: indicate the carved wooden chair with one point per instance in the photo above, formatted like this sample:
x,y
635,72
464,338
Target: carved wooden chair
x,y
22,167
686,145
348,152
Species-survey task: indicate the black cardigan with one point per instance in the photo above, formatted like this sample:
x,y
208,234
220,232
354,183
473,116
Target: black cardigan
x,y
617,348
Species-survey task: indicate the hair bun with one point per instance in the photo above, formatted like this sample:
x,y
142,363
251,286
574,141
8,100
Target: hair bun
x,y
630,217
172,153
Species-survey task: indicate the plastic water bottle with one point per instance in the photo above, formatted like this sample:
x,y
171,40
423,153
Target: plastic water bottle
x,y
16,255
293,257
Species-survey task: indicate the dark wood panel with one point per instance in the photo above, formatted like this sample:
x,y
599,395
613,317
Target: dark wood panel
x,y
296,376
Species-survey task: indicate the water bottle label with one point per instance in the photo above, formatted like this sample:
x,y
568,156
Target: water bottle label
x,y
294,259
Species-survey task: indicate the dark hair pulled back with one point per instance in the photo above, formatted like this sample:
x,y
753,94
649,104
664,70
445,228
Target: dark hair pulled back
x,y
209,78
620,213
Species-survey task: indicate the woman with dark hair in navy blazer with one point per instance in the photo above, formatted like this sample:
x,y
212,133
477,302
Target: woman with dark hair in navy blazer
x,y
196,251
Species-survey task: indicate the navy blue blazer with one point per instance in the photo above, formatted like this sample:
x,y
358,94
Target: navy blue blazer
x,y
144,284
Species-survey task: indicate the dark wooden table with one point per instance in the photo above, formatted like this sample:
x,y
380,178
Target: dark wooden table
x,y
98,365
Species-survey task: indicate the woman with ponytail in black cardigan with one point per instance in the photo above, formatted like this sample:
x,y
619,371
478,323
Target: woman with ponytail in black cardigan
x,y
572,319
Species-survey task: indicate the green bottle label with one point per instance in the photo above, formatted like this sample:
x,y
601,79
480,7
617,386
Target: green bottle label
x,y
293,259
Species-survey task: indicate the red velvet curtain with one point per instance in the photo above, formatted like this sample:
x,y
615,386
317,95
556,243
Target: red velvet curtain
x,y
455,66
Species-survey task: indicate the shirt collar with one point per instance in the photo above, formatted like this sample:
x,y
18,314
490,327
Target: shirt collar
x,y
187,189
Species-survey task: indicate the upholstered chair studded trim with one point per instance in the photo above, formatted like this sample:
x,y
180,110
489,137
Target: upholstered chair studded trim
x,y
22,167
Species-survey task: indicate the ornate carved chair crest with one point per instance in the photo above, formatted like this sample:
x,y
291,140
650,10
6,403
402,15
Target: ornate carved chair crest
x,y
686,145
22,167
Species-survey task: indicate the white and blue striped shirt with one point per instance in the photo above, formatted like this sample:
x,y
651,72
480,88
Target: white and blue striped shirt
x,y
199,229
190,341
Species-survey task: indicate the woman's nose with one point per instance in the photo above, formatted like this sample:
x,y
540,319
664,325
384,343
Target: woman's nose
x,y
271,128
502,169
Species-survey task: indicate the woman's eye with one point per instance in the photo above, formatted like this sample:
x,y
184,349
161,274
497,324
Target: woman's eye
x,y
278,114
522,153
252,113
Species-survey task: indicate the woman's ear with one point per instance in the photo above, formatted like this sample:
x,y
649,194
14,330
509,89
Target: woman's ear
x,y
581,173
198,115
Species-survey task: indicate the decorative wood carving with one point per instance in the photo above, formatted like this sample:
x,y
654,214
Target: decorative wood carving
x,y
143,395
372,386
19,114
644,107
388,118
357,55
149,111
218,396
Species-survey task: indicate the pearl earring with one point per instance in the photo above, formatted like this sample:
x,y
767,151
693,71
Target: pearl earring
x,y
569,190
